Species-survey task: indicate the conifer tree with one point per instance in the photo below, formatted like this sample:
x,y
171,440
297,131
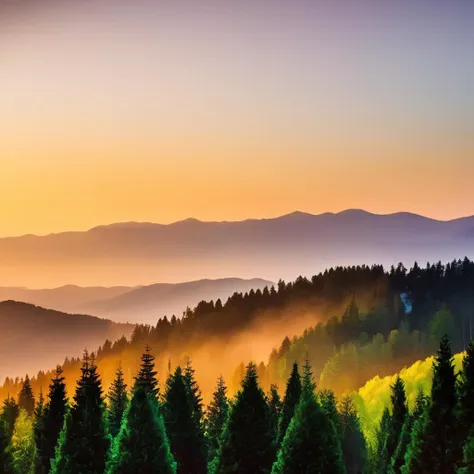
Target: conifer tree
x,y
6,460
398,459
117,402
290,401
465,425
274,405
399,415
84,440
23,444
49,423
142,444
353,444
414,463
247,442
440,451
379,458
467,466
26,399
10,413
311,444
328,402
146,376
216,416
184,435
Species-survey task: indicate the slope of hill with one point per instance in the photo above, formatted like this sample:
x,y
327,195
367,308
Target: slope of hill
x,y
138,305
374,396
297,243
33,338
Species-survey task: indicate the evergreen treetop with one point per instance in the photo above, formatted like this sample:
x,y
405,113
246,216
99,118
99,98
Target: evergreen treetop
x,y
146,376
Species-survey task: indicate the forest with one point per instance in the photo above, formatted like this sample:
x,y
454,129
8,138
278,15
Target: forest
x,y
298,410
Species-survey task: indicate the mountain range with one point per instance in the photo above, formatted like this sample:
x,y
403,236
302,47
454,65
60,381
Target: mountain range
x,y
142,304
129,254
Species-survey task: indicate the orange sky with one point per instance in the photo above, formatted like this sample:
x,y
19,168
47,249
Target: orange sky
x,y
118,114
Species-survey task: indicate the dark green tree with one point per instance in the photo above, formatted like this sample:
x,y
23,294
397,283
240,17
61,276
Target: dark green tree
x,y
354,451
184,435
440,450
290,401
49,423
6,460
146,376
10,413
247,444
414,463
465,423
379,458
84,440
142,444
399,415
311,444
274,405
216,417
26,399
117,402
398,459
328,402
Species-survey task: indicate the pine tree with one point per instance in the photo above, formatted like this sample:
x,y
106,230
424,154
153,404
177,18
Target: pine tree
x,y
184,435
146,376
414,463
398,459
353,444
49,424
379,459
23,444
399,415
118,400
290,401
328,402
10,413
311,444
466,397
216,416
6,460
440,451
84,441
274,405
247,443
142,444
26,399
468,462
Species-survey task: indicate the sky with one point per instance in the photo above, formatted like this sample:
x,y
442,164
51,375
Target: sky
x,y
157,111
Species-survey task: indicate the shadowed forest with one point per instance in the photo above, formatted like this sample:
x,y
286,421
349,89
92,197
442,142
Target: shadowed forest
x,y
296,378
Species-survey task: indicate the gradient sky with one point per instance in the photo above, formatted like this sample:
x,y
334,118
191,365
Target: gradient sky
x,y
222,110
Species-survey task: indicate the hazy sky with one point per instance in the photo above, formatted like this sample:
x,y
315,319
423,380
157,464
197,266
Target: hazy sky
x,y
160,110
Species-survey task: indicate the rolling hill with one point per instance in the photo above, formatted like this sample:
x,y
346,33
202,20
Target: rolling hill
x,y
33,338
297,243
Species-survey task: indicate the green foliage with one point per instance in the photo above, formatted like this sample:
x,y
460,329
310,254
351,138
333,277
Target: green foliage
x,y
217,412
378,457
185,436
414,462
328,402
247,444
10,413
274,405
84,439
442,324
142,444
290,401
466,396
468,462
440,450
397,420
353,445
146,376
311,444
6,460
23,444
117,402
49,422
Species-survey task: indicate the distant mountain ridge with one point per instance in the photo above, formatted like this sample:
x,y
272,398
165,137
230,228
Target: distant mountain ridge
x,y
33,338
140,304
127,254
